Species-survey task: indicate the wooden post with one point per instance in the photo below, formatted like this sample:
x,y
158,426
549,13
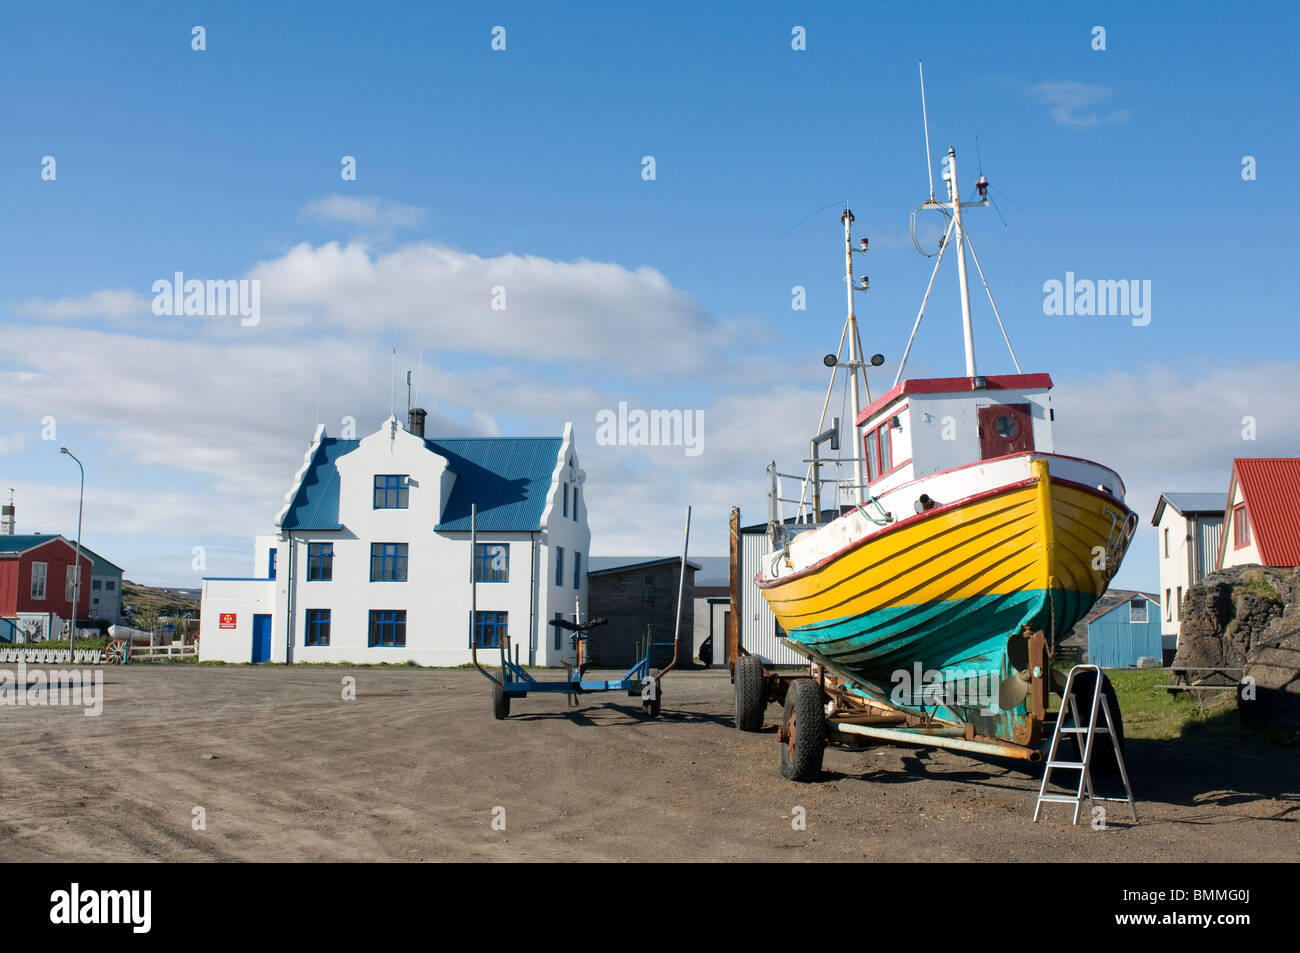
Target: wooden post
x,y
733,612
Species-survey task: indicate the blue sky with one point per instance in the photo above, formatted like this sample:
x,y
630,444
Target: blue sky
x,y
523,167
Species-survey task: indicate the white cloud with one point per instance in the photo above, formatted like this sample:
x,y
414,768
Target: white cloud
x,y
1076,105
369,213
113,303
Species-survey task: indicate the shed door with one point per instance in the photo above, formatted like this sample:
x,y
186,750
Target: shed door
x,y
1005,428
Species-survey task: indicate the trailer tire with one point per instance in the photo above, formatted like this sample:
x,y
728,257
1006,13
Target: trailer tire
x,y
500,702
650,707
1103,752
804,721
751,693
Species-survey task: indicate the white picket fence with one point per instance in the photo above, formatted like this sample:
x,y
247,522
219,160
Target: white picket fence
x,y
51,656
146,653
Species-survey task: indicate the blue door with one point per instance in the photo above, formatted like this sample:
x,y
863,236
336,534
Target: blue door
x,y
261,638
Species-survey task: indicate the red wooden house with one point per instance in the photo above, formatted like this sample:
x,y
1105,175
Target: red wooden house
x,y
36,579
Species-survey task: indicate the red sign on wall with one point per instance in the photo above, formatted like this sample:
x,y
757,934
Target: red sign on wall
x,y
227,620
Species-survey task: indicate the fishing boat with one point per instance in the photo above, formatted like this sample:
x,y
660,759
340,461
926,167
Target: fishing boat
x,y
934,593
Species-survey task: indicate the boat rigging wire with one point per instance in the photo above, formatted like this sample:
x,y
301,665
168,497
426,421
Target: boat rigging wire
x,y
844,203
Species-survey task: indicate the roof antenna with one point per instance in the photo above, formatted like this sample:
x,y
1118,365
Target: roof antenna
x,y
408,394
925,119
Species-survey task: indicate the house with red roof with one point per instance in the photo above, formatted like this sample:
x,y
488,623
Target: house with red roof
x,y
1262,520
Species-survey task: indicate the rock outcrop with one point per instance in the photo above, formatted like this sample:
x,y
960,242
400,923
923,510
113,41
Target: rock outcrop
x,y
1247,617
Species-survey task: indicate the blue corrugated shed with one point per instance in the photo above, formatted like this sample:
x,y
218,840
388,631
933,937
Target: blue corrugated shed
x,y
1116,641
508,477
317,504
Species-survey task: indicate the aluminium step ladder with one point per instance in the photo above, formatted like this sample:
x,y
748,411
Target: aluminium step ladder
x,y
1092,729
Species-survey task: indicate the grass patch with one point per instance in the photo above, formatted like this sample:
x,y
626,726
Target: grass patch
x,y
1151,712
1263,588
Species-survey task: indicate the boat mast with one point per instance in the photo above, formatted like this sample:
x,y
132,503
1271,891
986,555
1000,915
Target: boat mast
x,y
854,358
954,196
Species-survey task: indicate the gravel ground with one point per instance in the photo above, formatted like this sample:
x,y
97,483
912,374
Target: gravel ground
x,y
284,769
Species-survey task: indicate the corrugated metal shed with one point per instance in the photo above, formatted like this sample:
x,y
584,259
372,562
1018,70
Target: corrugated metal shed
x,y
1271,488
758,630
1115,640
1208,530
508,477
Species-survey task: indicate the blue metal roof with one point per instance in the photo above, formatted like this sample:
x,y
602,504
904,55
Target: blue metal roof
x,y
20,544
1198,502
317,504
508,477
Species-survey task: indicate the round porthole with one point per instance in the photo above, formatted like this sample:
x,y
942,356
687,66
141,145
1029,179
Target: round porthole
x,y
1006,427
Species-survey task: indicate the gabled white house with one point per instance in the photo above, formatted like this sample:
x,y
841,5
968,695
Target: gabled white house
x,y
370,560
1188,529
1262,518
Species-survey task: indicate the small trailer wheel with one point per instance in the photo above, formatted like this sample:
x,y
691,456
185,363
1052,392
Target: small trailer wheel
x,y
650,706
500,702
751,693
803,731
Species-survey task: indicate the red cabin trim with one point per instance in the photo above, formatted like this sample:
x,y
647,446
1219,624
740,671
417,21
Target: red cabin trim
x,y
953,385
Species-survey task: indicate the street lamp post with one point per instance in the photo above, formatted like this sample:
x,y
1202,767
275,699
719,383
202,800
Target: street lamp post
x,y
76,568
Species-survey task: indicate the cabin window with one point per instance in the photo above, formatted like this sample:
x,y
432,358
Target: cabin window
x,y
886,451
1137,611
1005,429
1240,526
872,460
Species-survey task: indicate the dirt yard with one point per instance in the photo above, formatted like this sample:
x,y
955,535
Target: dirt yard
x,y
284,769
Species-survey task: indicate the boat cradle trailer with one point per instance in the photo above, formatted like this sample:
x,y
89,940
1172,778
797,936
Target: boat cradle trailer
x,y
514,681
848,718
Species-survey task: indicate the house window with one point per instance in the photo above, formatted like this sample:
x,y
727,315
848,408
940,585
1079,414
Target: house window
x,y
1178,606
391,491
270,565
1240,526
110,585
39,571
577,570
320,562
492,562
70,582
1137,611
647,591
388,628
388,562
318,627
96,585
566,499
575,504
1166,542
559,566
490,629
1169,606
559,633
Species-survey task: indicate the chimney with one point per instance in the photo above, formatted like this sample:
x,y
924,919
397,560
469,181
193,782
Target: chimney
x,y
7,516
417,416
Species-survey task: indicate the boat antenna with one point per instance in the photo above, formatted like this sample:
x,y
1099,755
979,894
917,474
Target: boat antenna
x,y
925,120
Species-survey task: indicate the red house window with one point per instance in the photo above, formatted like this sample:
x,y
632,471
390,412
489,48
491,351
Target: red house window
x,y
1240,526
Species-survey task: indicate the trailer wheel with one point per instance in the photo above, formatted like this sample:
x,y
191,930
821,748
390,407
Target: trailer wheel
x,y
751,693
1103,752
803,731
650,706
500,702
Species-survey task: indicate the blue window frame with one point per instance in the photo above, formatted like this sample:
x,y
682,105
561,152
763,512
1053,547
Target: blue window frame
x,y
387,628
318,627
490,629
391,491
577,569
559,633
566,499
559,566
320,562
388,562
575,504
492,562
270,565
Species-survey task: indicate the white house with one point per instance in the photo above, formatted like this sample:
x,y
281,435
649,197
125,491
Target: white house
x,y
1262,517
370,559
1188,528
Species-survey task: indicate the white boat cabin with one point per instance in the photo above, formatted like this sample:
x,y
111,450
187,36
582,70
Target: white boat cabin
x,y
928,425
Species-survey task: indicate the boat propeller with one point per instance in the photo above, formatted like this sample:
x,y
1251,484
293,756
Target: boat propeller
x,y
1015,687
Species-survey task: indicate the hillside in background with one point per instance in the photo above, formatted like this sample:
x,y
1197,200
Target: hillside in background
x,y
150,601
